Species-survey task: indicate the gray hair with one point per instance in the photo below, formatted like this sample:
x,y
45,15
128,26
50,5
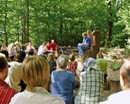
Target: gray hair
x,y
62,61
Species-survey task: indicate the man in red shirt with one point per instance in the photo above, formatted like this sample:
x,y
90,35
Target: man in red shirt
x,y
54,48
6,93
53,45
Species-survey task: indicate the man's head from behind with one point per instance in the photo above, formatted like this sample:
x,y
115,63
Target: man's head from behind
x,y
125,75
3,67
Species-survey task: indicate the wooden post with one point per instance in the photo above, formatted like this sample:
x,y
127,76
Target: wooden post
x,y
95,43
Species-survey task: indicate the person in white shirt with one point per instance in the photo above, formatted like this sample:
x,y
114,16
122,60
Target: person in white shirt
x,y
36,75
41,49
122,97
15,72
14,75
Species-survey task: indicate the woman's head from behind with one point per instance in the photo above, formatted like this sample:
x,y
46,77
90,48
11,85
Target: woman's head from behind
x,y
125,75
35,72
50,57
72,57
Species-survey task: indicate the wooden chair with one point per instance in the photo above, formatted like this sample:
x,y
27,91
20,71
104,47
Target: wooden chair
x,y
95,43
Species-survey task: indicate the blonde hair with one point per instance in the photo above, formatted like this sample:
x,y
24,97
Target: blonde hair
x,y
125,72
100,55
89,32
35,72
50,57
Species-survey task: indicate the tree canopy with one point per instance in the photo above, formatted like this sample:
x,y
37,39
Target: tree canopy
x,y
64,20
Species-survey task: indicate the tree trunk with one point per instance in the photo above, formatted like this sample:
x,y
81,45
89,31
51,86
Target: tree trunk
x,y
110,23
5,23
60,21
25,23
27,19
24,30
48,22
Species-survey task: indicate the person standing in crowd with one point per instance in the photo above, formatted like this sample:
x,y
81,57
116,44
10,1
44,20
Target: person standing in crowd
x,y
122,97
62,81
6,92
86,43
91,84
36,75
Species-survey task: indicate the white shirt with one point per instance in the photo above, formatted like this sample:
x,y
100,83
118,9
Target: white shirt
x,y
40,96
40,50
122,97
14,75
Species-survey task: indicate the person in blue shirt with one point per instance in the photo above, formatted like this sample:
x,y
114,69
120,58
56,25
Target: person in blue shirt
x,y
86,43
63,81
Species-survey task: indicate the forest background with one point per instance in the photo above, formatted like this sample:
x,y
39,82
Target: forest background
x,y
64,21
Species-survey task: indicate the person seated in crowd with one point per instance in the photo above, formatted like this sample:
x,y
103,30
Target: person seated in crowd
x,y
63,81
53,45
36,75
31,52
102,65
122,97
17,47
41,49
30,46
4,50
4,47
52,62
47,48
15,73
6,92
72,64
86,43
91,84
12,51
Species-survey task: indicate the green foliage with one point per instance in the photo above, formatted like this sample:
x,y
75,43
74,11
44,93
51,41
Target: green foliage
x,y
62,20
115,65
122,26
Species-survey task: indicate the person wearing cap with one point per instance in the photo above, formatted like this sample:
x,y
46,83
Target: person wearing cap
x,y
122,97
91,84
63,81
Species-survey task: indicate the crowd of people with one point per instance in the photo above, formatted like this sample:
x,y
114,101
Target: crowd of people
x,y
30,76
